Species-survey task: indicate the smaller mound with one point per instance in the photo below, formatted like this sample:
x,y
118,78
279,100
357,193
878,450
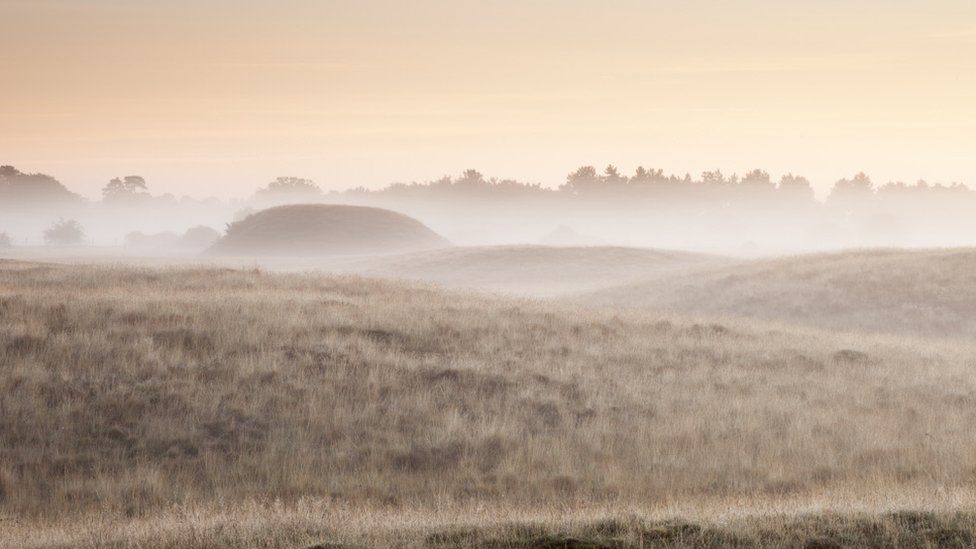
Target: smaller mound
x,y
540,271
325,230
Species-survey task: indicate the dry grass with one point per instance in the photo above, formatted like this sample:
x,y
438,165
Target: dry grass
x,y
519,270
538,271
126,391
930,293
313,523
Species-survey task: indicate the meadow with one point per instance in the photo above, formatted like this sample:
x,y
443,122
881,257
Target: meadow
x,y
928,293
209,406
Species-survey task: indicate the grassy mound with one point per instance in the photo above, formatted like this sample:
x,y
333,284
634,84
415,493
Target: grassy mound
x,y
535,270
923,292
323,230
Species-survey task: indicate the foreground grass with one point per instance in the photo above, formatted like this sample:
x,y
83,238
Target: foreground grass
x,y
313,524
125,392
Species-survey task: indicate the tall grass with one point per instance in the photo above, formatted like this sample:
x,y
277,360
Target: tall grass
x,y
125,391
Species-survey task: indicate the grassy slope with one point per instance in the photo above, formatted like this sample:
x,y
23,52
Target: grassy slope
x,y
529,271
925,293
536,270
124,391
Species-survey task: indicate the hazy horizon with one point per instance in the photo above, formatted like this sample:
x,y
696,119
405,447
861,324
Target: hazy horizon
x,y
219,97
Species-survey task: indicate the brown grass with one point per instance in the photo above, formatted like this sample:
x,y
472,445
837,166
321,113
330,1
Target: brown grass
x,y
285,409
929,293
316,524
538,271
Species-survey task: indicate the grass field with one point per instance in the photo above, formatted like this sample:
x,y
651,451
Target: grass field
x,y
927,293
537,271
211,407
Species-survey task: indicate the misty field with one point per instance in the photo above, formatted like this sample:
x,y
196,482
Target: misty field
x,y
209,407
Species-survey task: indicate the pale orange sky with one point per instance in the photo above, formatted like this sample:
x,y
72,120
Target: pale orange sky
x,y
220,96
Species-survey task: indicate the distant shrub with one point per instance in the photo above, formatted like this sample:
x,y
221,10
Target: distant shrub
x,y
200,236
66,232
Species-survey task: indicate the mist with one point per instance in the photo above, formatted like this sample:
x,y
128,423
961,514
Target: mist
x,y
468,274
753,214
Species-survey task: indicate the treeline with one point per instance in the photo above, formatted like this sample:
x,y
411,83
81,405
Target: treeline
x,y
22,189
36,208
710,185
19,188
713,212
646,208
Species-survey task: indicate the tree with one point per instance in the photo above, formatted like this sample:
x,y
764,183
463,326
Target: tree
x,y
757,179
128,188
611,176
643,176
713,178
18,189
293,185
471,178
289,189
66,232
582,179
858,188
5,241
795,187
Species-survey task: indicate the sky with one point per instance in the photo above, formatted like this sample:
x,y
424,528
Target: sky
x,y
218,97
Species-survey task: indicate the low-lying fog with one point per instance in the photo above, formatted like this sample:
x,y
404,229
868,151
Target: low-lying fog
x,y
752,215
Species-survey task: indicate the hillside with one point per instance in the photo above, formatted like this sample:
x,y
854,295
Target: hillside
x,y
292,409
534,270
325,230
925,293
